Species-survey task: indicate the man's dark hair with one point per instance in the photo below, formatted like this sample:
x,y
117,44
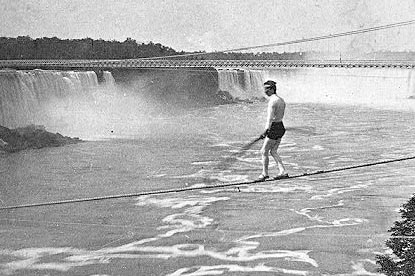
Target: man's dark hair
x,y
271,83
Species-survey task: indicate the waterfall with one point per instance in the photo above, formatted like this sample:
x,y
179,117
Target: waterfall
x,y
373,87
411,84
108,79
241,84
36,96
23,94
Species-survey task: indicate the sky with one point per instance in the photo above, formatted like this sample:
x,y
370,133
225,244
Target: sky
x,y
215,25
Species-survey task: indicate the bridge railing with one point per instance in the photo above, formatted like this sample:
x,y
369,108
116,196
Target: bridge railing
x,y
174,63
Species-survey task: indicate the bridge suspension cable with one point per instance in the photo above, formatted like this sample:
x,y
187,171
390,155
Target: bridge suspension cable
x,y
329,36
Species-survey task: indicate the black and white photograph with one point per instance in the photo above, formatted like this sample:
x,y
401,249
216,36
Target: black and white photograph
x,y
207,137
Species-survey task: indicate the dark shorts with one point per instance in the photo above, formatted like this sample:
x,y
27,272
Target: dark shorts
x,y
276,131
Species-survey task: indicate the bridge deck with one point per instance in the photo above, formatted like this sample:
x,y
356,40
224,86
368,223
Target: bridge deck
x,y
174,63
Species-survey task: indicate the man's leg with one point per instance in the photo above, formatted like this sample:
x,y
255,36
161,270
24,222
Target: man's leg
x,y
265,150
276,156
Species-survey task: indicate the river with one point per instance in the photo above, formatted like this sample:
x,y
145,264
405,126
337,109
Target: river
x,y
328,224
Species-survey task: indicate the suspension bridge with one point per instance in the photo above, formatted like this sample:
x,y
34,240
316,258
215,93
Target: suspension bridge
x,y
221,64
178,61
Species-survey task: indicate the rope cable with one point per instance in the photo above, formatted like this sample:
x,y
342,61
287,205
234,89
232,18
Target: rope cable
x,y
354,32
185,189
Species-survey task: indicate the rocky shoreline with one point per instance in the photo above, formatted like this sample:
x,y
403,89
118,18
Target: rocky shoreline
x,y
31,137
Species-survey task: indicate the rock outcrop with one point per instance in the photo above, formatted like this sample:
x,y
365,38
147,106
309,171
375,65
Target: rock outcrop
x,y
31,137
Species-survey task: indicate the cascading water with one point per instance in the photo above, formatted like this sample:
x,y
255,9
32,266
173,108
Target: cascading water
x,y
23,94
108,79
373,87
411,84
241,84
75,101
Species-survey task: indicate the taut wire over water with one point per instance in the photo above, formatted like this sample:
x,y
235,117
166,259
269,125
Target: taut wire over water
x,y
222,185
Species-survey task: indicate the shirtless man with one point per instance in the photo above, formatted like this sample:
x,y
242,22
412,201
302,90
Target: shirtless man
x,y
274,131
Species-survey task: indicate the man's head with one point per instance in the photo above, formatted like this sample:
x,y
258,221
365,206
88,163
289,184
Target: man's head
x,y
270,87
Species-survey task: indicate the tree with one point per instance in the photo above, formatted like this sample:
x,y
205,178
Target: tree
x,y
402,262
23,47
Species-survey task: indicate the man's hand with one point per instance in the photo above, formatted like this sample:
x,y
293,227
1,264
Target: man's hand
x,y
263,135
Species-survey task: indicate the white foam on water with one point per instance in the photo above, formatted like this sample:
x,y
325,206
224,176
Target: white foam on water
x,y
318,147
178,202
266,188
334,223
275,188
246,245
288,145
230,178
319,219
221,269
358,270
203,173
221,144
222,176
187,219
201,163
29,258
198,185
250,160
188,216
339,191
159,175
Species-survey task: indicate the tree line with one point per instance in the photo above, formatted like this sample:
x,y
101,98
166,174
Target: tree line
x,y
24,47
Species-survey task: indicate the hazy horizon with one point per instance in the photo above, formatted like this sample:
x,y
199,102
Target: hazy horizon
x,y
215,25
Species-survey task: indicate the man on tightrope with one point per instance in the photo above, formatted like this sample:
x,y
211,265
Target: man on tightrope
x,y
274,131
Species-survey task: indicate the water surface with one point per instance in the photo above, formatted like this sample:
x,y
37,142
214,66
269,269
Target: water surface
x,y
330,224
